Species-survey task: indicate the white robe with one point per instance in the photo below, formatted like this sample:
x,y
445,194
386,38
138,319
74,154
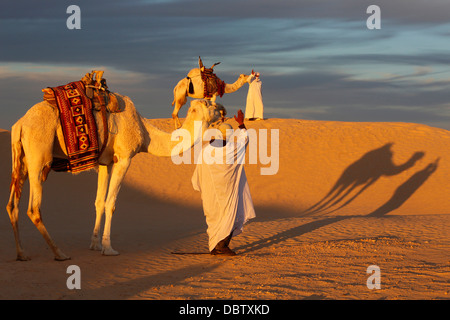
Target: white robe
x,y
254,107
227,203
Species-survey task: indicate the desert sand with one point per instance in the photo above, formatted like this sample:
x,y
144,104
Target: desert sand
x,y
388,206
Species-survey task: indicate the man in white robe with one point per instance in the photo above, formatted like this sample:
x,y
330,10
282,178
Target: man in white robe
x,y
221,179
255,108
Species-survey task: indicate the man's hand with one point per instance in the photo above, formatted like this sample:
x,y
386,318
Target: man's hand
x,y
240,117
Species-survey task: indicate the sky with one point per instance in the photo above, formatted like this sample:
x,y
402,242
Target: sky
x,y
317,59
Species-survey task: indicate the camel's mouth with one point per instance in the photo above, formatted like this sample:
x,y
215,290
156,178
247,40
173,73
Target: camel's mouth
x,y
219,113
222,110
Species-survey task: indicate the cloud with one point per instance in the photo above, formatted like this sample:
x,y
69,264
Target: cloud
x,y
431,11
22,83
420,59
317,58
340,96
61,73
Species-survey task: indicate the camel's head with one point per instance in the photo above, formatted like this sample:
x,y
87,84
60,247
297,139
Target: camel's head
x,y
205,110
244,78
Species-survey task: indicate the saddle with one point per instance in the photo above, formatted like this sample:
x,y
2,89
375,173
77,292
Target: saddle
x,y
96,89
211,82
76,102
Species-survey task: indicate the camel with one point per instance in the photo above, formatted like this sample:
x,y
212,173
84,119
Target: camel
x,y
37,138
193,86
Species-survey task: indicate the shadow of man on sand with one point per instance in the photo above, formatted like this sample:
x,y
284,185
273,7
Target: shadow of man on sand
x,y
359,176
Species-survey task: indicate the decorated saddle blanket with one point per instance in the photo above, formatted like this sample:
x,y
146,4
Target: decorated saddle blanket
x,y
100,99
79,128
211,84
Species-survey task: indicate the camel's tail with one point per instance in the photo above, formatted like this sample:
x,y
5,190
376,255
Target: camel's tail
x,y
191,85
174,96
189,90
18,166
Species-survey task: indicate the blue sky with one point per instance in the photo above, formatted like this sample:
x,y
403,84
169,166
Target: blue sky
x,y
317,59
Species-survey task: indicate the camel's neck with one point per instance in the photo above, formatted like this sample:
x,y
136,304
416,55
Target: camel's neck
x,y
164,144
232,87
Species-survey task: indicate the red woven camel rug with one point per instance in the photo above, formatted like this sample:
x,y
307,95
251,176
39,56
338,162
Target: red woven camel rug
x,y
211,82
79,128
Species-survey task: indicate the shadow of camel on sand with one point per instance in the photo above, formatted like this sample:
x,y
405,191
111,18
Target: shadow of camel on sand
x,y
359,176
400,196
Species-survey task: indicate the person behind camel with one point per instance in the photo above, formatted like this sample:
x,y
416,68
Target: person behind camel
x,y
226,198
254,108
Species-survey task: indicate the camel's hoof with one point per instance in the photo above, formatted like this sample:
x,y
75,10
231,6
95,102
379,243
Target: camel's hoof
x,y
22,257
109,252
62,257
95,246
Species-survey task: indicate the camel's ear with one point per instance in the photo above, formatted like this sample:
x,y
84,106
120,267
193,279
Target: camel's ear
x,y
253,72
99,77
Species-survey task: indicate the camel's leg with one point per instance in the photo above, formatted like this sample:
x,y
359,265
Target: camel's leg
x,y
18,177
102,188
34,212
176,109
37,147
118,172
13,211
180,95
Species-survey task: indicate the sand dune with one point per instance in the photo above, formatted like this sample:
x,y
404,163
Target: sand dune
x,y
346,196
399,165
